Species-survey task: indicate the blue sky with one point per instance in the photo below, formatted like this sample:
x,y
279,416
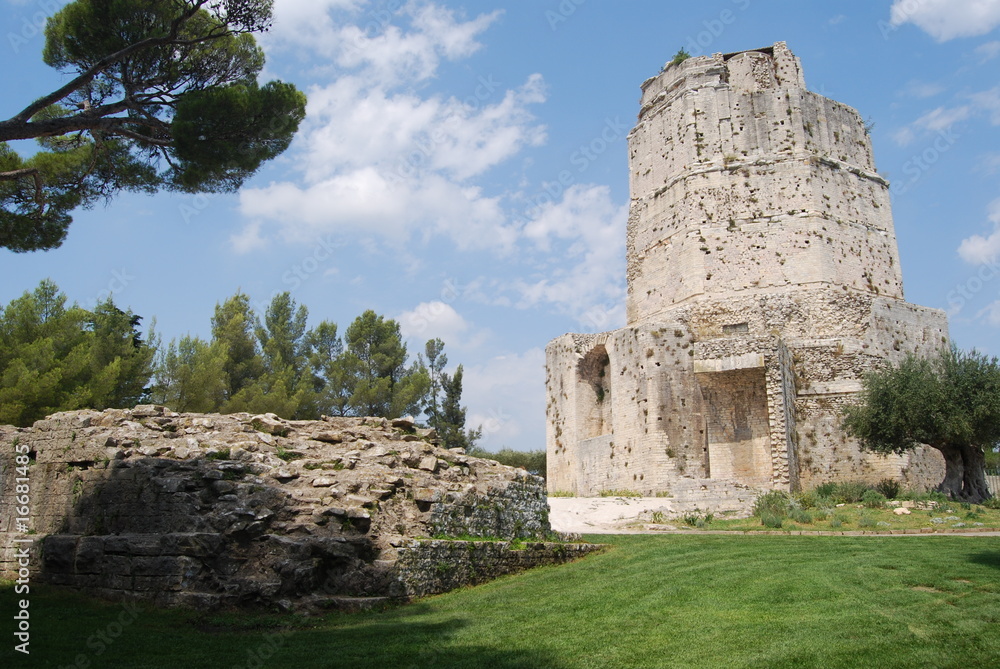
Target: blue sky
x,y
463,169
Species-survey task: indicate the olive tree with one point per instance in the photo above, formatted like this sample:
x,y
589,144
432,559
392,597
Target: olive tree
x,y
950,402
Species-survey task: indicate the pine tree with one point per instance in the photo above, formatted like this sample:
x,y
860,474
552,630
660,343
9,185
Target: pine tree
x,y
380,382
59,358
450,425
190,376
233,329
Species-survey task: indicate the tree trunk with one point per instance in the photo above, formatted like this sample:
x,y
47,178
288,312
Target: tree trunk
x,y
974,485
964,473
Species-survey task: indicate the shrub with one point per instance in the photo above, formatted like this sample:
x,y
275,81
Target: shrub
x,y
850,492
888,487
826,489
992,503
623,492
801,516
697,520
774,502
808,499
873,499
771,519
836,522
821,514
680,56
865,520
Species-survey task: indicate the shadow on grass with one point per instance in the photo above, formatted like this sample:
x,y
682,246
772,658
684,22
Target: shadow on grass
x,y
988,558
70,629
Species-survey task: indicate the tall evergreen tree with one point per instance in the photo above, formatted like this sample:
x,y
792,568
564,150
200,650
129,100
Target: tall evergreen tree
x,y
281,334
191,376
58,358
331,378
436,362
381,383
233,328
450,424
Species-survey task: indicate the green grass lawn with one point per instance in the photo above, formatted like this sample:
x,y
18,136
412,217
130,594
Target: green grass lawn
x,y
649,601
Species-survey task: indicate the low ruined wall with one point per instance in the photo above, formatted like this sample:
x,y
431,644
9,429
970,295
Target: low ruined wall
x,y
435,566
245,510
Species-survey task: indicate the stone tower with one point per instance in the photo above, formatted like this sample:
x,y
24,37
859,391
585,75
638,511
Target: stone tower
x,y
763,281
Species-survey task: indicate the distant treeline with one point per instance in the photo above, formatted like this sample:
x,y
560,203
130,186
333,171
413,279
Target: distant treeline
x,y
55,357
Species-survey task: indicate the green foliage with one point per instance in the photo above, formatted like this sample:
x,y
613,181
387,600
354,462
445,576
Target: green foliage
x,y
800,515
680,56
59,358
190,375
873,499
826,489
773,502
275,363
771,519
450,421
619,492
233,330
380,381
531,461
850,492
889,487
950,402
158,94
696,519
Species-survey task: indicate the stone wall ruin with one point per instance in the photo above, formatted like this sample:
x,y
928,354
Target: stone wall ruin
x,y
240,510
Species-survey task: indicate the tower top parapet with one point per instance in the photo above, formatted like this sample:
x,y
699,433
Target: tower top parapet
x,y
744,182
756,70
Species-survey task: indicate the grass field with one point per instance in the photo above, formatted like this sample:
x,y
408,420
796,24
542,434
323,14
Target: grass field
x,y
648,601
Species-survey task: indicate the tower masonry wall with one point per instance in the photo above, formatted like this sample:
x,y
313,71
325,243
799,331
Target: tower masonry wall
x,y
740,184
764,282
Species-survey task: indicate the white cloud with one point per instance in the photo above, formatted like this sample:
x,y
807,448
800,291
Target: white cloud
x,y
923,89
941,118
354,124
365,201
991,314
587,229
936,120
437,319
988,51
978,249
504,396
988,164
356,34
947,19
989,102
378,156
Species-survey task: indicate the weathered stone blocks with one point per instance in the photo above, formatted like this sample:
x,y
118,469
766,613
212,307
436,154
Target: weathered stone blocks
x,y
252,510
763,282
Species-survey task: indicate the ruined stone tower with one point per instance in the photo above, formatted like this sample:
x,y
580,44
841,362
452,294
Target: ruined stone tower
x,y
763,281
